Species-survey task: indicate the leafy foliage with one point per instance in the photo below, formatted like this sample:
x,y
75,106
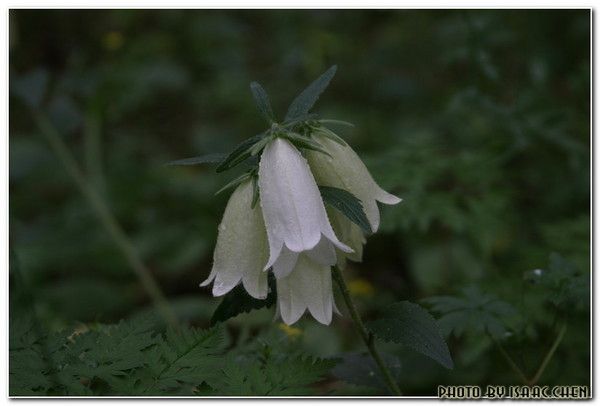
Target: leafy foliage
x,y
566,287
132,358
474,311
411,325
348,204
271,376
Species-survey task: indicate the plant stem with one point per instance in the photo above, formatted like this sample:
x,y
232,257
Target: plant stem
x,y
106,218
510,361
366,336
549,355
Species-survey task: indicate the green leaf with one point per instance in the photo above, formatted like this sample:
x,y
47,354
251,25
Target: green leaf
x,y
240,153
309,96
348,204
202,159
411,325
239,301
473,311
262,101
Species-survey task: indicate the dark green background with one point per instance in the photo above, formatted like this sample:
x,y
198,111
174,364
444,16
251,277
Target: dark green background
x,y
479,120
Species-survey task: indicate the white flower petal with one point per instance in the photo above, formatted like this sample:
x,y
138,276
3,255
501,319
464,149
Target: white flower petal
x,y
345,170
285,263
241,248
323,253
307,287
292,206
350,234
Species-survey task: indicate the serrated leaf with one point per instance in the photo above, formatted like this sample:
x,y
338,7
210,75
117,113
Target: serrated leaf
x,y
240,153
474,311
239,301
262,101
197,160
309,96
409,324
270,375
348,204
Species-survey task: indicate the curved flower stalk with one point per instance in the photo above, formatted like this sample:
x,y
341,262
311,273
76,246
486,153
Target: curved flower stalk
x,y
345,170
293,210
242,248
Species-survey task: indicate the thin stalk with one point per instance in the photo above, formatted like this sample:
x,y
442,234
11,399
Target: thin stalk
x,y
366,336
513,365
92,143
106,218
549,355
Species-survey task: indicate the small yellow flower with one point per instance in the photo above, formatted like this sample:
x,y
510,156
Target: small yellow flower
x,y
361,287
291,332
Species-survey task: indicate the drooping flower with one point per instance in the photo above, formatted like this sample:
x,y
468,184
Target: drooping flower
x,y
242,248
293,210
307,287
350,234
345,170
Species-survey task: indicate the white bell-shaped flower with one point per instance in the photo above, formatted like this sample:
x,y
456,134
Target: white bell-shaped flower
x,y
345,170
308,286
350,234
242,247
293,210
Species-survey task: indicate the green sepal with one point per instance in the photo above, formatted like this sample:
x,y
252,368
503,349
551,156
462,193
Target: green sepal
x,y
240,153
197,160
326,132
333,121
306,143
234,182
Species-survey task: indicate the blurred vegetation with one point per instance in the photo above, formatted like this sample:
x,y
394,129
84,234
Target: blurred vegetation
x,y
479,120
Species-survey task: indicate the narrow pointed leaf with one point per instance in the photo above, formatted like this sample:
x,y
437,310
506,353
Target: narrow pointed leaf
x,y
332,121
309,96
332,136
262,101
409,324
348,204
233,183
303,142
197,160
240,153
